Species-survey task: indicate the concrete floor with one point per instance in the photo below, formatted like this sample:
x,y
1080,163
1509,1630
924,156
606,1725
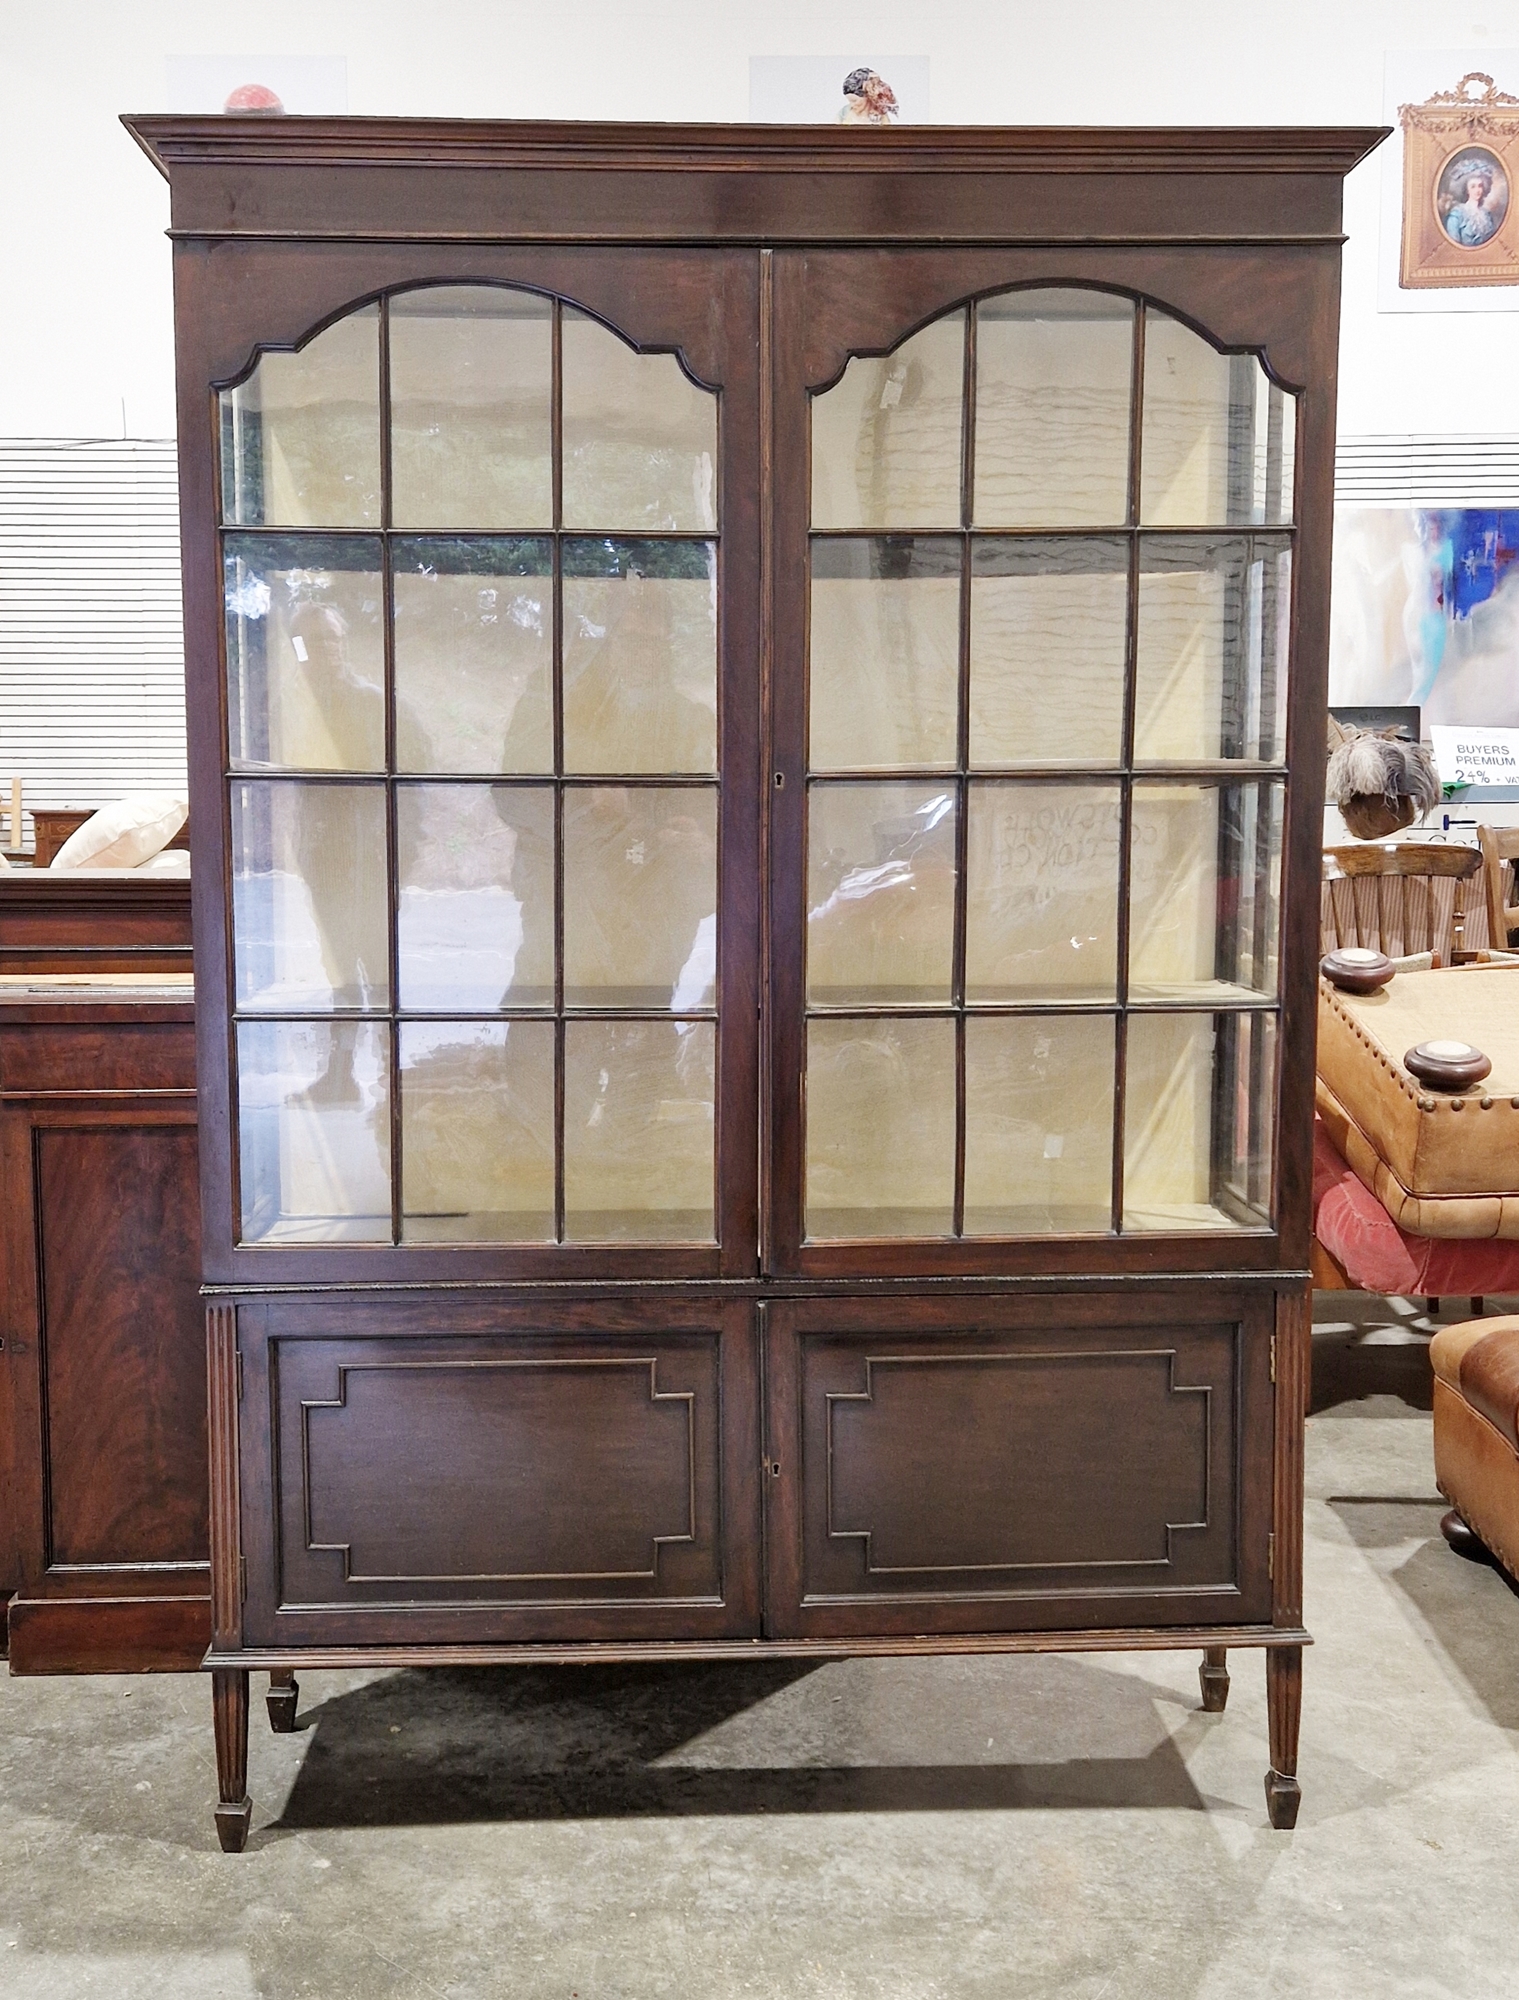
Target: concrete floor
x,y
891,1830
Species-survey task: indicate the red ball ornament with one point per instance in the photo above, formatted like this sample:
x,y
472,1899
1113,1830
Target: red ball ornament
x,y
255,97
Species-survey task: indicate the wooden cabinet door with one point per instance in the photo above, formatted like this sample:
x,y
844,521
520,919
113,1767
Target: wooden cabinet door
x,y
102,1394
1035,544
568,1471
981,1465
487,757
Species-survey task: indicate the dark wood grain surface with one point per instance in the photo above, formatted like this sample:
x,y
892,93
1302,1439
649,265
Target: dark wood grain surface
x,y
66,921
102,1374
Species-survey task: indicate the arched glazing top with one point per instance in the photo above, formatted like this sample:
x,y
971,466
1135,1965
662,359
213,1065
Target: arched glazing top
x,y
467,379
1054,408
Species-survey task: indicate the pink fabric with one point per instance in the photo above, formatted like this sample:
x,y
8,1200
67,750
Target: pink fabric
x,y
1359,1234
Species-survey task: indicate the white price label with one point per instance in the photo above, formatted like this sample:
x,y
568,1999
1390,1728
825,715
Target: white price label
x,y
1475,756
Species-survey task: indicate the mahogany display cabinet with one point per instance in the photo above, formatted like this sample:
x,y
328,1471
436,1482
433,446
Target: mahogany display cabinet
x,y
756,756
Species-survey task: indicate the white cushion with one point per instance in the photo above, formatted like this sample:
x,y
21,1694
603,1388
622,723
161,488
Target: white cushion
x,y
173,861
126,834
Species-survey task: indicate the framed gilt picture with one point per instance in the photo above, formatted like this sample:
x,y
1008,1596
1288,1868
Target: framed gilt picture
x,y
1460,164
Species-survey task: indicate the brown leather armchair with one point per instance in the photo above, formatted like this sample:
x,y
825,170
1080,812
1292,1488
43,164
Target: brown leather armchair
x,y
1476,1368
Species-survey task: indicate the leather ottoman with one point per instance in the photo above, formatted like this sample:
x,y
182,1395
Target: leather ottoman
x,y
1442,1163
1476,1368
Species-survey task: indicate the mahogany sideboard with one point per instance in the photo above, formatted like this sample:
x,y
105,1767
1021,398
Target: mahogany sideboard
x,y
755,704
103,1535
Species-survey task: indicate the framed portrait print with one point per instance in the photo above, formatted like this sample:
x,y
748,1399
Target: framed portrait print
x,y
1460,163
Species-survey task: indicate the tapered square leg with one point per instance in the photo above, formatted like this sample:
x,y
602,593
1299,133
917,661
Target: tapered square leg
x,y
229,1711
1284,1707
1214,1677
284,1693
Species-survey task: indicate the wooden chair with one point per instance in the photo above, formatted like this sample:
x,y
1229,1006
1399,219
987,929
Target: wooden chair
x,y
1409,897
1500,858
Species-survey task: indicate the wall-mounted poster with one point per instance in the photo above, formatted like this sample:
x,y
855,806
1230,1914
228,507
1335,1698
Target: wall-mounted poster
x,y
1450,182
1426,612
1460,154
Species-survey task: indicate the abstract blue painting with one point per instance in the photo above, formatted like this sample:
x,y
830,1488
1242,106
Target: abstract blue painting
x,y
1426,611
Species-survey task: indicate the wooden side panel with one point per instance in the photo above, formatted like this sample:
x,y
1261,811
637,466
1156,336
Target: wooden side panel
x,y
223,1390
93,1056
71,922
558,1479
119,1226
136,1634
977,1467
103,1529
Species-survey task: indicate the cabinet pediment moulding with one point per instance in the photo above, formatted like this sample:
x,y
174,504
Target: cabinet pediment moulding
x,y
735,205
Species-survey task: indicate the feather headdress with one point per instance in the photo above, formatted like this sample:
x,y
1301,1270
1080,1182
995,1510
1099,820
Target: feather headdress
x,y
1380,781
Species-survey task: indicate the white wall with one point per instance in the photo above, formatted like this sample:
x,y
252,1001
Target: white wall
x,y
85,334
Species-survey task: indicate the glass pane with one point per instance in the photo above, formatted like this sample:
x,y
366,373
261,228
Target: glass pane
x,y
301,437
1246,1149
1041,917
1217,447
474,646
475,918
640,656
640,439
886,439
309,897
1197,1121
880,1128
880,894
471,373
1053,379
477,1131
1281,452
1205,875
313,1120
1047,633
1211,673
640,896
1038,1125
305,652
884,654
638,1125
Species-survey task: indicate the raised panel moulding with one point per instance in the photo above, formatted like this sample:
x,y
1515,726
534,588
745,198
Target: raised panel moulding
x,y
508,1472
1017,1507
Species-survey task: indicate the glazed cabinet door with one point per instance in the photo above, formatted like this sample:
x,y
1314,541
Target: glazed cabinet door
x,y
571,1472
980,1465
1030,786
487,760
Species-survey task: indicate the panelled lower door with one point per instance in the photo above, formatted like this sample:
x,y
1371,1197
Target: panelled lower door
x,y
975,1465
565,1471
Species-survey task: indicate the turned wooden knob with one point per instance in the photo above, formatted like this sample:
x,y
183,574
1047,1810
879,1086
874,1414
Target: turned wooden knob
x,y
1447,1065
1356,970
